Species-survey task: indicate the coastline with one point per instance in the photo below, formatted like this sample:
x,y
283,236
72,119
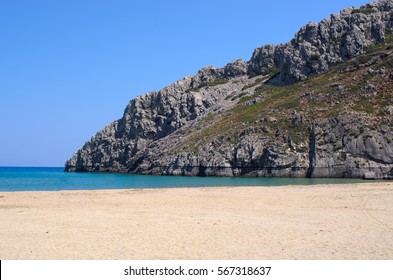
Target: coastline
x,y
351,221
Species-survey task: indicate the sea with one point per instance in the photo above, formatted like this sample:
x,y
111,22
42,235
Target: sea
x,y
55,179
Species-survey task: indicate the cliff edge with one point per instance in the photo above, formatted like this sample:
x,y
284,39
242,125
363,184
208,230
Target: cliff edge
x,y
320,105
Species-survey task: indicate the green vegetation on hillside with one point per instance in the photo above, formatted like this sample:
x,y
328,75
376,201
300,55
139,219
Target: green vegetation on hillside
x,y
358,86
209,84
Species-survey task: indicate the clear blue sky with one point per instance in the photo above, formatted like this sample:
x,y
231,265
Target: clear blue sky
x,y
69,67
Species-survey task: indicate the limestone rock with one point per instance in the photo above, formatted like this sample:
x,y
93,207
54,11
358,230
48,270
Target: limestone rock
x,y
153,135
317,47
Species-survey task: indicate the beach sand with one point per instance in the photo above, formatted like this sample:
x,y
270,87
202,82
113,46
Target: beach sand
x,y
353,221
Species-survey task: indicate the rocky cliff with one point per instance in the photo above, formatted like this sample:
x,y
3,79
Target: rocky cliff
x,y
320,105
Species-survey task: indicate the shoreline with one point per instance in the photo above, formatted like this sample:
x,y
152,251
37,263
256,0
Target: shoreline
x,y
390,182
341,181
344,221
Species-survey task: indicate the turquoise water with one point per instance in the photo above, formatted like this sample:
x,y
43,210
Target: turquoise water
x,y
54,179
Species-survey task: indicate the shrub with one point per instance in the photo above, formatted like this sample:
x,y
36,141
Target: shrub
x,y
363,10
315,56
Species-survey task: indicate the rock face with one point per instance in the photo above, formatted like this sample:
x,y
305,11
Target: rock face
x,y
261,117
317,47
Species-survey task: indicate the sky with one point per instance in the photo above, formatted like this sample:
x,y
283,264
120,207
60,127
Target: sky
x,y
68,68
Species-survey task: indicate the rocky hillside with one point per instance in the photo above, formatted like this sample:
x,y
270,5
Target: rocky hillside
x,y
320,105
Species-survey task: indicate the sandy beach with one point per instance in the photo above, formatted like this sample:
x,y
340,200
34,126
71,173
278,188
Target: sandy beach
x,y
293,222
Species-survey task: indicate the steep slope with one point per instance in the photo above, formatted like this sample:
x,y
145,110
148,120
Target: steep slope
x,y
318,106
